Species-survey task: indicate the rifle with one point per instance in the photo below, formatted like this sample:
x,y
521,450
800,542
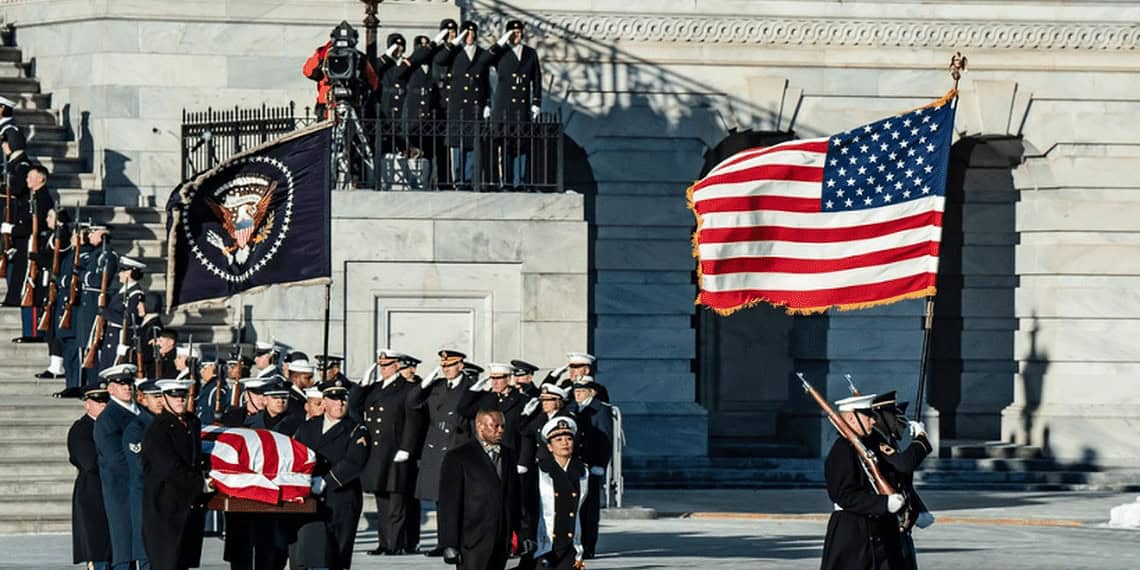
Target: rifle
x,y
866,456
7,215
73,285
140,369
851,386
100,324
53,288
190,365
28,299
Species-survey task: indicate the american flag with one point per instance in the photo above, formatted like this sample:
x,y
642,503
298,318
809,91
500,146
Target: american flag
x,y
258,464
848,221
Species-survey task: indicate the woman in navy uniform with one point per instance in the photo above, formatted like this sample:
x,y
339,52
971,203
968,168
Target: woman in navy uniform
x,y
325,540
173,482
90,539
557,499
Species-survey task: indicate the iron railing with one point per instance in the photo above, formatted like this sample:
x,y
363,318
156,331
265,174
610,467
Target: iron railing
x,y
615,482
423,153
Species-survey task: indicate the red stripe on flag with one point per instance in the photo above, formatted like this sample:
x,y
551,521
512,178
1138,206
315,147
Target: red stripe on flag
x,y
794,265
810,146
819,235
269,451
822,298
782,172
751,203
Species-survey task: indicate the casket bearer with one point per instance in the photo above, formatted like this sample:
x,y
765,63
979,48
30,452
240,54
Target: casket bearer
x,y
90,539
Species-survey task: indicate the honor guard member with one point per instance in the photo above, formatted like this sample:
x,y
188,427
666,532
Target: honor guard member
x,y
114,474
31,224
174,481
265,359
167,343
387,401
863,531
150,405
184,360
58,238
578,365
440,68
213,395
558,498
16,165
468,100
290,358
250,404
524,378
421,89
898,465
276,416
436,400
68,338
300,375
341,445
331,365
90,539
495,392
480,501
595,449
416,425
517,102
122,312
314,403
95,258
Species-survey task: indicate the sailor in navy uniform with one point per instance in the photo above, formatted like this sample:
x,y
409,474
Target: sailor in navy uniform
x,y
558,498
33,204
468,100
251,403
550,403
122,310
95,257
300,377
495,392
416,426
265,355
16,165
595,449
331,364
524,378
277,415
517,102
114,472
90,539
326,539
863,531
386,401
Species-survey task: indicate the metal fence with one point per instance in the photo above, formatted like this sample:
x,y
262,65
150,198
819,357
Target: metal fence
x,y
400,154
615,482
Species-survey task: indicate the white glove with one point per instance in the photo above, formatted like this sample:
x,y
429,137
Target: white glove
x,y
530,407
924,519
121,350
318,484
459,38
440,36
431,378
487,112
206,487
599,471
534,111
917,429
391,51
401,456
522,469
6,228
895,503
482,385
558,372
506,38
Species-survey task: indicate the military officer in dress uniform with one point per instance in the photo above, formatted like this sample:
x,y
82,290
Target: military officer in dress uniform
x,y
331,365
265,358
300,375
524,378
898,465
863,531
68,338
213,398
549,404
34,204
90,539
277,415
436,399
95,258
440,68
150,405
595,449
122,312
496,393
314,403
468,98
341,444
517,102
251,403
173,482
416,426
558,498
16,165
385,400
114,475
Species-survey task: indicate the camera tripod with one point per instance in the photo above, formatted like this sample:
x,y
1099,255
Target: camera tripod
x,y
343,142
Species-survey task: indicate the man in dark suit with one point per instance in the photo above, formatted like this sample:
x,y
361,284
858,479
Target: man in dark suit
x,y
325,540
90,540
479,499
113,471
596,420
386,401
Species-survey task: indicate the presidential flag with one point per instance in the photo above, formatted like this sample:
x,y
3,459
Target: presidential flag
x,y
850,221
258,464
258,219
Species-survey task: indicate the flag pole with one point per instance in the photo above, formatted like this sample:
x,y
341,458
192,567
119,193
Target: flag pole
x,y
957,67
325,360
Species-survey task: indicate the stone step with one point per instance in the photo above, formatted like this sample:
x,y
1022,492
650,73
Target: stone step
x,y
11,69
62,164
750,447
31,407
44,148
137,231
36,505
10,86
75,181
53,486
29,100
8,53
35,116
32,449
35,468
71,197
988,449
44,389
46,133
35,524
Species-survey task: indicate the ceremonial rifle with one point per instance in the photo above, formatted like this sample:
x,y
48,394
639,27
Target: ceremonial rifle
x,y
190,365
73,285
53,289
100,324
7,214
234,373
140,369
866,456
33,251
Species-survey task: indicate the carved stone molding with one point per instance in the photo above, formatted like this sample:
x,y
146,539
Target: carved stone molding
x,y
887,33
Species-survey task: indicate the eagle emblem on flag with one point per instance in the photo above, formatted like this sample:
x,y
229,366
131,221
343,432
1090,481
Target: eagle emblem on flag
x,y
242,208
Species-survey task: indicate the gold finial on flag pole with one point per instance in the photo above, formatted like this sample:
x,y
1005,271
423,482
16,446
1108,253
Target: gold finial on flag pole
x,y
957,67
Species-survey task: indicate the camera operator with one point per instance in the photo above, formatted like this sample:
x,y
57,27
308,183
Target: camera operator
x,y
341,71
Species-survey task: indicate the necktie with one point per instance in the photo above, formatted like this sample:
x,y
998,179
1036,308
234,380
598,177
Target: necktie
x,y
496,460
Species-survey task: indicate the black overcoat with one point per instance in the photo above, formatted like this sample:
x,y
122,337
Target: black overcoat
x,y
173,477
391,427
444,430
90,539
518,85
479,508
861,533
